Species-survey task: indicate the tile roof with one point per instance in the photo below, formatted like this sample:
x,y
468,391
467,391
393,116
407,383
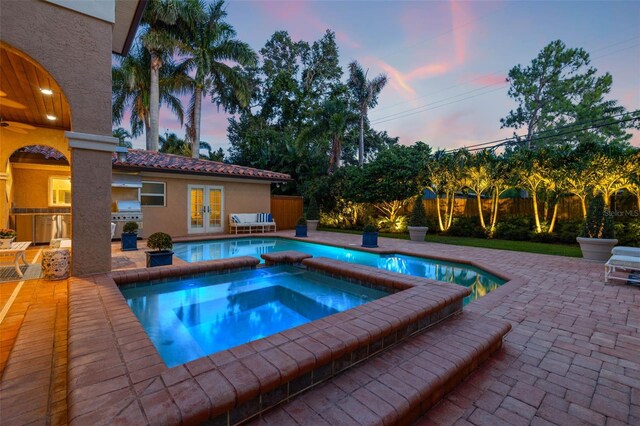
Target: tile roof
x,y
157,161
149,160
47,151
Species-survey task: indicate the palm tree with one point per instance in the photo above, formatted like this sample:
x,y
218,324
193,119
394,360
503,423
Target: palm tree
x,y
131,86
366,95
162,20
123,137
170,143
209,46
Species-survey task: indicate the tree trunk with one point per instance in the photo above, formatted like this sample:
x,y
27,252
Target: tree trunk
x,y
334,155
154,103
453,201
479,199
534,197
583,204
147,130
494,218
439,213
197,112
361,149
553,218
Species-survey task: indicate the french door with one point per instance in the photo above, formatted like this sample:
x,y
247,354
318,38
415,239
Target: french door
x,y
205,209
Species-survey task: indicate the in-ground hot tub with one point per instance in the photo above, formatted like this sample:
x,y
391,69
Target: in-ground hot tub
x,y
187,318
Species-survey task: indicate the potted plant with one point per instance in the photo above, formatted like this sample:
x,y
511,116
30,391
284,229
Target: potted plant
x,y
301,227
7,236
161,244
370,236
129,236
418,221
313,214
597,236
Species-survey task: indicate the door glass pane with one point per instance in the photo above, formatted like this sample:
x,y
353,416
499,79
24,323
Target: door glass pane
x,y
197,195
215,203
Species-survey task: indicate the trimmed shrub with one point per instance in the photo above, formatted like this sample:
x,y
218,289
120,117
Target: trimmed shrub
x,y
567,231
370,227
599,222
628,233
418,216
302,221
160,241
130,228
467,227
513,228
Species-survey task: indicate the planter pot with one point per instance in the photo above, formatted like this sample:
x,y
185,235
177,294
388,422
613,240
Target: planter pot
x,y
370,239
5,243
301,230
417,233
312,225
129,241
596,248
159,258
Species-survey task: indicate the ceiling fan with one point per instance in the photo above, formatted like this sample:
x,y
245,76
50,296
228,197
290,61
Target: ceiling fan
x,y
8,102
16,127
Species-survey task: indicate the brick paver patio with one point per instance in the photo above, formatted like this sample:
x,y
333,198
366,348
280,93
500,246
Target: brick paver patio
x,y
572,357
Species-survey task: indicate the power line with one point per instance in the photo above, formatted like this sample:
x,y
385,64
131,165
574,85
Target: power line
x,y
438,106
568,126
536,137
403,114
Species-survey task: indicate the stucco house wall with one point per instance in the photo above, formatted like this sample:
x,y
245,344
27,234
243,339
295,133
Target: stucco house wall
x,y
240,196
31,186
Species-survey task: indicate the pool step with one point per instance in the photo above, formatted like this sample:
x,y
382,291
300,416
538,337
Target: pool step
x,y
400,384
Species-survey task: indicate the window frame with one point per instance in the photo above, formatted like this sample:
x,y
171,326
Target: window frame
x,y
164,193
50,191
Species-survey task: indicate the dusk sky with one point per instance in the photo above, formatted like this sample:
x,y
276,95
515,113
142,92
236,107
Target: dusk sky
x,y
446,60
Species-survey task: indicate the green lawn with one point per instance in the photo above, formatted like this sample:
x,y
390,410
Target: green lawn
x,y
525,246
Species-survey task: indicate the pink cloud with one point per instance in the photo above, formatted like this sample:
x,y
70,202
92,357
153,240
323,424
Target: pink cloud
x,y
400,81
302,22
489,79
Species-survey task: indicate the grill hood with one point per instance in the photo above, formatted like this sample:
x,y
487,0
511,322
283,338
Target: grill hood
x,y
126,181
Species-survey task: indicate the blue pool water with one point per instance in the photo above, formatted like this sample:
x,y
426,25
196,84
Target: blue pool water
x,y
192,317
481,282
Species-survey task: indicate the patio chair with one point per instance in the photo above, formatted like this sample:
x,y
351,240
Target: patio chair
x,y
113,230
626,260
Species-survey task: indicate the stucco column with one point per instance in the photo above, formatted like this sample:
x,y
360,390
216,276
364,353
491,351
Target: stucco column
x,y
4,207
91,202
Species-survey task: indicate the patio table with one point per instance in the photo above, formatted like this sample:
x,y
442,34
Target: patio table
x,y
17,250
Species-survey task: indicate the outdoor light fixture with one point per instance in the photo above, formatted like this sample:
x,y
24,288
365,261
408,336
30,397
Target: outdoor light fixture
x,y
47,92
51,117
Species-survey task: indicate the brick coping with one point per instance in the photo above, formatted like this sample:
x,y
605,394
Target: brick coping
x,y
403,383
116,373
379,250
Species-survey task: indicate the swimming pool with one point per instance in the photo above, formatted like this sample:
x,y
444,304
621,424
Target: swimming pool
x,y
188,318
479,281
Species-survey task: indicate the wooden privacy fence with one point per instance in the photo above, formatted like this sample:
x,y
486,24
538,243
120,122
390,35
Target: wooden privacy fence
x,y
569,208
286,210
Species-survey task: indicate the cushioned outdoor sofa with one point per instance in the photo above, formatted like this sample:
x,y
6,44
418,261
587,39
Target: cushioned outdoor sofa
x,y
251,222
625,260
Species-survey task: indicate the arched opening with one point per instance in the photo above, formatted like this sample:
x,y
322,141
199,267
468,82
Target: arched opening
x,y
35,169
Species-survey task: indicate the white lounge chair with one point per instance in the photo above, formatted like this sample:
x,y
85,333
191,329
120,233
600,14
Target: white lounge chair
x,y
626,260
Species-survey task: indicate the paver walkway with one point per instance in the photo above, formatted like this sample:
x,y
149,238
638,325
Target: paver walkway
x,y
572,357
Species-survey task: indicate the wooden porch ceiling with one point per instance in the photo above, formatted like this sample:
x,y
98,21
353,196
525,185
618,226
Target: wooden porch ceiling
x,y
21,98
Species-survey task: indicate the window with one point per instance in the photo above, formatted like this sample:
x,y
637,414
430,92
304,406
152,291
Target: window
x,y
153,194
59,191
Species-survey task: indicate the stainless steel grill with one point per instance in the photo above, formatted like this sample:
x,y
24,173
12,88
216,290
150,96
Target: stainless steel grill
x,y
128,211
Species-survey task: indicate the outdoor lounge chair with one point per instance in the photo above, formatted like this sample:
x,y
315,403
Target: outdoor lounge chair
x,y
623,259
